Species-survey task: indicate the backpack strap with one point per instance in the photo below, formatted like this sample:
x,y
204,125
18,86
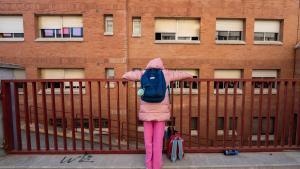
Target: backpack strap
x,y
174,150
180,149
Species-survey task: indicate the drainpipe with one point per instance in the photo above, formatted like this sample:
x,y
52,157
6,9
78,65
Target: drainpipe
x,y
298,28
127,34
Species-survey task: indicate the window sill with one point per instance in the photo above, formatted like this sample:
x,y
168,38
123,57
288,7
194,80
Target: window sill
x,y
185,91
176,42
136,36
229,132
59,39
11,39
265,91
268,43
108,33
262,137
66,91
230,42
229,91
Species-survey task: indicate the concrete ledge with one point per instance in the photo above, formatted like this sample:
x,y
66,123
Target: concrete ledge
x,y
278,160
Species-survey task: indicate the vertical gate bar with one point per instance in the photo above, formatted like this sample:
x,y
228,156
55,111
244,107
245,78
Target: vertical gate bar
x,y
277,113
298,120
118,113
199,103
62,95
45,114
172,104
91,130
136,115
243,114
291,118
81,116
108,114
190,113
8,143
72,115
207,113
127,115
100,115
260,113
284,114
36,117
54,116
28,140
268,113
217,110
225,114
251,111
235,83
181,84
17,109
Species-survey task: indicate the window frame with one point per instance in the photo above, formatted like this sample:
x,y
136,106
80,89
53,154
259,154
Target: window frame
x,y
174,35
136,20
58,34
108,19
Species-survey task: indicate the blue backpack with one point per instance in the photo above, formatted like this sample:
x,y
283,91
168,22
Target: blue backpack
x,y
154,85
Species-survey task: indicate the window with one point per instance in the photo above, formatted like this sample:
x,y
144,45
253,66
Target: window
x,y
136,27
264,74
194,123
138,83
227,74
110,73
59,122
229,30
63,74
108,25
263,125
19,74
183,30
60,27
229,126
11,28
186,85
267,30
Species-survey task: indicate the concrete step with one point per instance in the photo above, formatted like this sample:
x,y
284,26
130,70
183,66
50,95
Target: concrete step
x,y
276,160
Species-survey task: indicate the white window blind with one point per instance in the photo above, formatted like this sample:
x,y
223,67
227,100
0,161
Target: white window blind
x,y
72,21
56,22
264,73
52,74
230,74
74,74
11,24
229,25
188,27
267,26
166,25
19,74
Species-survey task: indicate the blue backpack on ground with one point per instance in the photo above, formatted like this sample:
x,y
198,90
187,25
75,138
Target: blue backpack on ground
x,y
154,85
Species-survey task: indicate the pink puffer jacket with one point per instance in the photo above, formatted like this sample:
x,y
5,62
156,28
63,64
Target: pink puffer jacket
x,y
156,111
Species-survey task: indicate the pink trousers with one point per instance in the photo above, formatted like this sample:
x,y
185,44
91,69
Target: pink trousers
x,y
153,137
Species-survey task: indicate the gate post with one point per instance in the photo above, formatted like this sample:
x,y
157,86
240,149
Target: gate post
x,y
8,142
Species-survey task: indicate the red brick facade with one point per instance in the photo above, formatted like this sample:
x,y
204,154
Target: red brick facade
x,y
123,52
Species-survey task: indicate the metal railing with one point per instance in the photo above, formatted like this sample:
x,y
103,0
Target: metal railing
x,y
101,115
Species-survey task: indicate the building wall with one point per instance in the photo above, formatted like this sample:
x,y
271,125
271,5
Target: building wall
x,y
124,52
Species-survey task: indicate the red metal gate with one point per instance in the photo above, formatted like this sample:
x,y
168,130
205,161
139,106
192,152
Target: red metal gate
x,y
101,116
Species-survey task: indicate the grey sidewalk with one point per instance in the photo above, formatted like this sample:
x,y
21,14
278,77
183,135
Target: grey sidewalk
x,y
282,160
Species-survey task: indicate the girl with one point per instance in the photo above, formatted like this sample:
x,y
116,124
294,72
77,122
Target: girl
x,y
154,115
